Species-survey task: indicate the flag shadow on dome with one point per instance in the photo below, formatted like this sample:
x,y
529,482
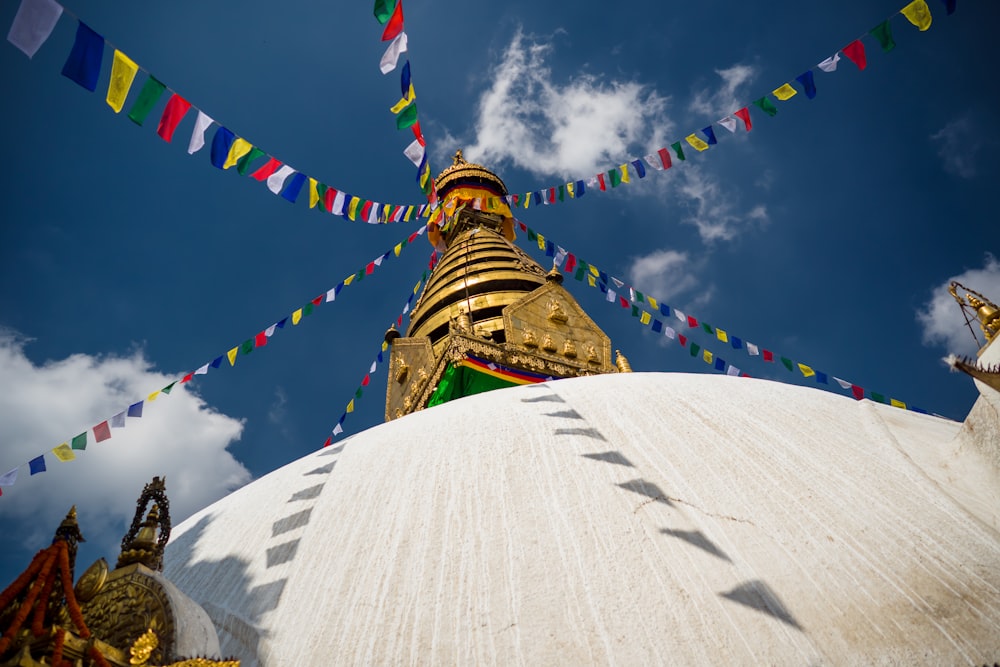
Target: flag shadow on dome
x,y
698,539
758,595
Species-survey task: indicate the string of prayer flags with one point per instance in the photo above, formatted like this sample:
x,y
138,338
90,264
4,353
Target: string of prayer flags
x,y
629,298
382,355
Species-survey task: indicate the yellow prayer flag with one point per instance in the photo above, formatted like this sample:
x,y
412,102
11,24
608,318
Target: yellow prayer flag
x,y
897,404
352,208
541,242
591,281
722,335
397,249
296,317
386,211
350,406
594,272
403,102
786,92
313,193
707,356
624,169
918,13
806,371
385,346
152,397
416,288
645,317
695,141
231,355
569,190
349,279
409,212
123,72
527,200
652,303
239,148
64,452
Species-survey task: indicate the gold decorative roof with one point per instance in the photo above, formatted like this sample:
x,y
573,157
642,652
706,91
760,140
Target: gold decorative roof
x,y
462,171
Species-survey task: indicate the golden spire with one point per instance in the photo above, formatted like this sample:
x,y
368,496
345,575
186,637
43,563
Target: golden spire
x,y
622,362
986,312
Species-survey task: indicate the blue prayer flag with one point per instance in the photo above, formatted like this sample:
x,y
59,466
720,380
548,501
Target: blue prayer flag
x,y
221,144
84,62
807,81
737,343
217,362
280,324
639,168
710,133
37,464
536,197
720,364
580,189
404,80
665,310
821,377
550,249
294,187
657,326
135,410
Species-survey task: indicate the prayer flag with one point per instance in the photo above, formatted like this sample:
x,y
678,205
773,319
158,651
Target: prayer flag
x,y
383,10
150,94
808,83
639,169
858,392
830,64
277,179
919,14
407,97
123,71
338,429
664,157
855,52
615,177
313,192
350,407
737,343
696,142
669,332
721,335
84,62
415,153
707,356
33,24
405,85
785,92
296,317
821,377
878,398
152,397
733,371
694,349
883,33
710,134
720,364
897,404
168,388
391,55
102,432
243,166
787,363
239,148
744,115
260,340
766,106
247,346
600,181
231,355
728,122
118,420
707,327
752,349
176,107
37,464
844,384
624,170
677,149
657,325
394,26
135,410
407,116
645,318
9,477
665,310
806,371
80,441
201,124
221,144
768,356
64,453
692,322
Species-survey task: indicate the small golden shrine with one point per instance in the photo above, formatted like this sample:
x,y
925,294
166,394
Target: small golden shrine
x,y
489,316
131,616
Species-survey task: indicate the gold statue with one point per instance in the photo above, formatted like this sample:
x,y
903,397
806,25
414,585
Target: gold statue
x,y
402,371
548,344
556,312
528,336
569,349
592,356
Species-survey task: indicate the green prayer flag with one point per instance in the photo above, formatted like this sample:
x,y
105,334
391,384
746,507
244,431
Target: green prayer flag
x,y
306,310
787,362
878,398
694,349
383,10
677,149
357,394
243,166
532,235
639,297
360,275
407,117
166,390
616,178
151,91
562,193
766,106
80,441
883,33
580,273
707,327
635,311
247,346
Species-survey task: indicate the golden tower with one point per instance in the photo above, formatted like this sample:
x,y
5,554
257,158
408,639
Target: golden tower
x,y
489,315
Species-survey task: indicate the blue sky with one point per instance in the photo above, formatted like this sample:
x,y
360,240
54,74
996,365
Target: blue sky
x,y
826,234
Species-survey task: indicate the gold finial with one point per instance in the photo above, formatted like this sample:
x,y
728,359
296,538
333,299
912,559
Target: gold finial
x,y
145,540
622,362
457,158
143,648
986,312
391,334
554,276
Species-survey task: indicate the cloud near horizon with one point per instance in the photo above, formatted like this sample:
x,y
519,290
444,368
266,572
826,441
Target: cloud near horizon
x,y
178,436
943,324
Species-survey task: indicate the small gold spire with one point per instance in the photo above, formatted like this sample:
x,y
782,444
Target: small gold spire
x,y
554,276
458,158
391,334
622,362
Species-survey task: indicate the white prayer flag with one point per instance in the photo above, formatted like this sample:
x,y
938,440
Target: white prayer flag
x,y
373,214
202,371
270,330
654,162
378,260
830,64
618,283
406,308
414,153
728,122
201,124
118,421
670,333
391,55
338,203
681,316
560,257
372,369
611,295
732,370
843,383
277,179
398,215
33,24
338,429
752,350
8,478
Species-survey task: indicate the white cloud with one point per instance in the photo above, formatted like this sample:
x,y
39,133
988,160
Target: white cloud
x,y
958,142
573,129
178,436
941,318
664,274
714,211
727,98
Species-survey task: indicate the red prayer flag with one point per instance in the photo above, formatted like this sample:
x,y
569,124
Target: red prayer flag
x,y
102,432
172,115
365,210
395,24
328,198
370,269
318,300
682,339
570,262
187,378
858,392
855,52
744,115
260,340
265,171
552,195
329,441
623,301
523,227
417,134
600,181
664,157
413,237
368,378
692,322
768,355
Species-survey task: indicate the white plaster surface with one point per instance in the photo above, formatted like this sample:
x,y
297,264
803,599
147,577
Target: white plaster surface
x,y
619,519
